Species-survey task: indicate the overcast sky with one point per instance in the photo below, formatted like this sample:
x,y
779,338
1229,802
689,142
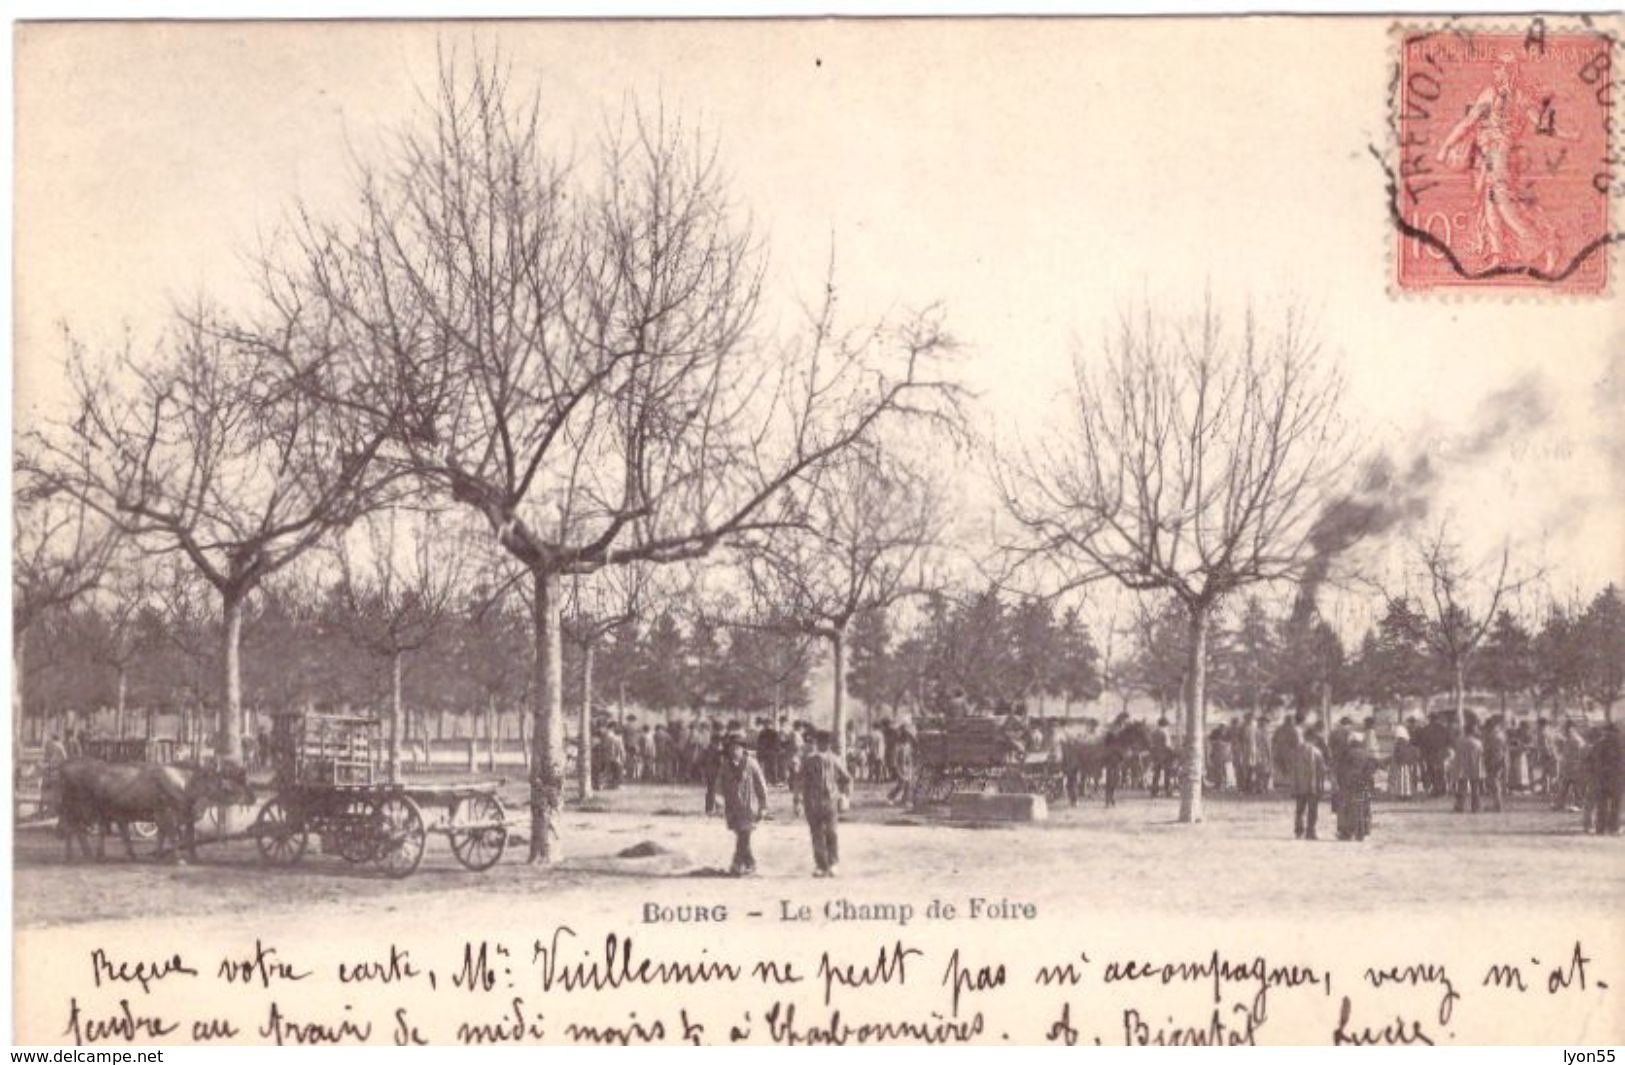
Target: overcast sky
x,y
1034,177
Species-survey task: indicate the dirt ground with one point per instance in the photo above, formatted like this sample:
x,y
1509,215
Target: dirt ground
x,y
1421,856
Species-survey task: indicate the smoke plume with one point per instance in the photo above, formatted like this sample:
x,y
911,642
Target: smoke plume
x,y
1390,494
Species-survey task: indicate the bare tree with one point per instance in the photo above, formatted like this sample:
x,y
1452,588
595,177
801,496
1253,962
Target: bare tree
x,y
1460,606
113,623
185,616
59,552
400,573
866,543
206,450
1195,463
596,606
576,365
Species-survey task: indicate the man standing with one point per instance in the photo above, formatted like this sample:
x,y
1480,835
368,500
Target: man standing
x,y
1469,768
767,750
1284,743
1604,771
1308,780
1571,784
902,764
791,744
744,800
1263,756
1162,759
1495,764
1433,740
1545,756
822,783
1246,749
614,755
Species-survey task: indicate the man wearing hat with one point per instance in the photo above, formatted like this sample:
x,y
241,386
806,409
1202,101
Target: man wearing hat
x,y
1308,778
822,782
738,779
1469,768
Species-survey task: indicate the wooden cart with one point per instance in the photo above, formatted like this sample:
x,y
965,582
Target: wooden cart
x,y
328,784
973,753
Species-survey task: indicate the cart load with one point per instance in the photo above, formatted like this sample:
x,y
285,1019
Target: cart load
x,y
330,785
975,752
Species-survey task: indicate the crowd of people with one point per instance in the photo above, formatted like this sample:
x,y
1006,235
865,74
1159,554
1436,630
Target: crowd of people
x,y
690,752
1478,765
1577,767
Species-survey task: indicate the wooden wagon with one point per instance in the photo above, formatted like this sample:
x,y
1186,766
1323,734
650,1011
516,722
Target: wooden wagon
x,y
976,752
328,784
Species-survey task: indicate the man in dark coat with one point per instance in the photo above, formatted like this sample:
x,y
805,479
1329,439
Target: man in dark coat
x,y
1433,741
767,750
1307,775
738,781
823,783
1604,770
1495,764
1469,769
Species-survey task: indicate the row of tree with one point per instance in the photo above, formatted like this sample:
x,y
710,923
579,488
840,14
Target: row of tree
x,y
304,652
1570,661
308,644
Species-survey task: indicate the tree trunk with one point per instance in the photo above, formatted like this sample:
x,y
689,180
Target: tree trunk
x,y
397,719
19,645
838,645
122,689
584,728
547,742
229,740
491,718
1458,695
1190,785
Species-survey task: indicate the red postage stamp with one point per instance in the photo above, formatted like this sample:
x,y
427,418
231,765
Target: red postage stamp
x,y
1503,178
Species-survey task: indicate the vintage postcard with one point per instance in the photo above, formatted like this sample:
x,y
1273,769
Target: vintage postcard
x,y
818,532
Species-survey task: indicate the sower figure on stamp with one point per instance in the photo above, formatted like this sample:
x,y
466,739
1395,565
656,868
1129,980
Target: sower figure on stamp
x,y
823,782
738,779
1489,140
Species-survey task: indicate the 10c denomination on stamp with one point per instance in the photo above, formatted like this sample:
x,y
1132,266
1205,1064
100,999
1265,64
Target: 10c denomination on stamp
x,y
1503,176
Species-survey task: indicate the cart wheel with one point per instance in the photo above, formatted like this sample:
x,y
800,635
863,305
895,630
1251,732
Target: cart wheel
x,y
942,788
279,835
1054,788
357,837
400,835
479,848
144,839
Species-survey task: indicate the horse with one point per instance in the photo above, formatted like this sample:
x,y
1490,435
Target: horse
x,y
103,794
1105,758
